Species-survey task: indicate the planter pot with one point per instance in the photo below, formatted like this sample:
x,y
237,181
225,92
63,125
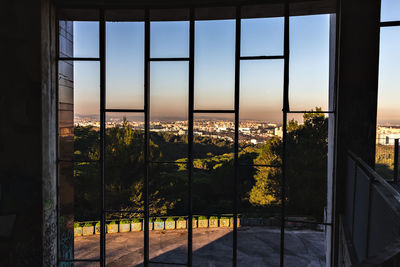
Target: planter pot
x,y
181,224
112,228
194,223
136,227
124,227
231,222
77,231
88,230
158,225
169,225
224,222
213,223
97,229
203,223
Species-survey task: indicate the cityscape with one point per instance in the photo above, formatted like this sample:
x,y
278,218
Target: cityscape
x,y
250,131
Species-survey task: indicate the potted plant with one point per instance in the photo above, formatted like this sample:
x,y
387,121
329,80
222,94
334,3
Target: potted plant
x,y
112,227
97,228
77,229
231,222
88,229
181,223
194,222
169,223
136,225
224,222
213,221
203,222
124,226
159,224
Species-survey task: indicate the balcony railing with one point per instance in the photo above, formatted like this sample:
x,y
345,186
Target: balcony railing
x,y
371,220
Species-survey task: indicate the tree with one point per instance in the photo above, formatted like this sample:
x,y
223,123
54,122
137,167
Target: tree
x,y
306,168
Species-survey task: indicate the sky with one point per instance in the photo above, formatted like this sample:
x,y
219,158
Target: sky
x,y
261,81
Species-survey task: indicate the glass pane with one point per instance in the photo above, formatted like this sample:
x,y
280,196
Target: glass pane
x,y
66,38
390,10
262,37
384,155
389,79
309,62
169,110
259,209
124,163
214,64
169,39
305,245
261,91
79,210
306,189
125,241
213,177
86,90
65,110
306,167
79,101
125,61
86,39
168,205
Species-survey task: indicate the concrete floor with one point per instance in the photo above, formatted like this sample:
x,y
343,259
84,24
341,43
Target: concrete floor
x,y
257,246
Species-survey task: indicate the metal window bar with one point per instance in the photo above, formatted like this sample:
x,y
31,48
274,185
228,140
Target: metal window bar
x,y
79,58
124,110
260,57
102,40
190,135
146,133
169,59
236,144
284,129
390,23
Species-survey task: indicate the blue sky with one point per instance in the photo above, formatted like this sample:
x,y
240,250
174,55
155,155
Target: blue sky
x,y
261,82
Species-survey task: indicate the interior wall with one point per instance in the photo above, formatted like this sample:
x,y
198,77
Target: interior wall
x,y
357,88
24,144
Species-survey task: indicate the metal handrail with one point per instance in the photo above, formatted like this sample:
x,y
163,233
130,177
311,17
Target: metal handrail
x,y
375,176
390,253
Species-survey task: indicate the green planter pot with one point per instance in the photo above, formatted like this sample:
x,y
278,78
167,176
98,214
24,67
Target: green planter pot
x,y
136,227
88,230
203,223
231,222
181,224
213,223
223,222
77,231
124,227
169,225
112,228
159,225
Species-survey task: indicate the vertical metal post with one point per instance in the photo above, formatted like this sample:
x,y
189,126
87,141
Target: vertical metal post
x,y
102,55
146,133
236,146
396,161
190,138
284,130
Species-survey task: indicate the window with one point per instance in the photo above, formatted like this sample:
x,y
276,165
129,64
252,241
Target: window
x,y
181,134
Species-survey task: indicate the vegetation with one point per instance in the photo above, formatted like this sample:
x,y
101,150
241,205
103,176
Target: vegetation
x,y
384,161
213,173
